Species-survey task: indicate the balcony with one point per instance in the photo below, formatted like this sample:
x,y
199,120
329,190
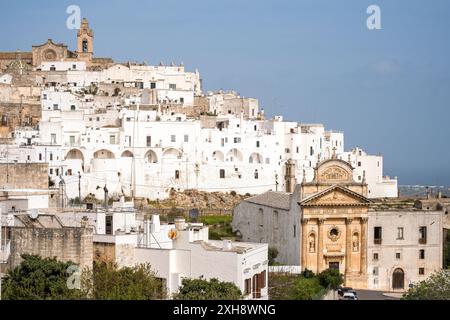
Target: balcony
x,y
377,241
422,240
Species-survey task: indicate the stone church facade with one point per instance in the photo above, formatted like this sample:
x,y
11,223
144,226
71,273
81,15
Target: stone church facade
x,y
330,222
51,51
334,222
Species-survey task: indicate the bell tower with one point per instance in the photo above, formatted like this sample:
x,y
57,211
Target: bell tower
x,y
289,177
85,42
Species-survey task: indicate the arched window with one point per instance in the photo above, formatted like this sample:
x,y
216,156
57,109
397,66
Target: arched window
x,y
151,157
234,155
255,158
85,46
261,217
104,154
127,154
75,154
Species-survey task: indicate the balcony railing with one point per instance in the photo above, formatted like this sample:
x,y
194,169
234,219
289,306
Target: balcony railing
x,y
422,241
377,241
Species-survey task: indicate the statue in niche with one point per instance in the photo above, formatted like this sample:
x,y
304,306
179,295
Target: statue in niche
x,y
355,242
312,242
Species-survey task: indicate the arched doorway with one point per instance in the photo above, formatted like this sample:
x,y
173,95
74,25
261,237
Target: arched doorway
x,y
398,279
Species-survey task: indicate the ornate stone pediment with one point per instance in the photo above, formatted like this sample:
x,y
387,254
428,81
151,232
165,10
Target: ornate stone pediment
x,y
333,171
334,174
335,196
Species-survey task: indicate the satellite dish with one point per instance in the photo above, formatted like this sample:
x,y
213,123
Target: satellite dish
x,y
33,214
173,234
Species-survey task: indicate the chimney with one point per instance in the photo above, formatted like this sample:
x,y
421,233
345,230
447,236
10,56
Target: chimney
x,y
85,222
180,224
227,245
156,225
106,197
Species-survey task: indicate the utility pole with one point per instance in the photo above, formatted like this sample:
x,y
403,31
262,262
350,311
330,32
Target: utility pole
x,y
62,190
187,173
79,188
105,189
1,251
7,164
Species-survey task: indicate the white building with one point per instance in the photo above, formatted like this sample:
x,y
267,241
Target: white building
x,y
115,128
370,167
62,66
180,250
174,251
404,246
12,200
193,255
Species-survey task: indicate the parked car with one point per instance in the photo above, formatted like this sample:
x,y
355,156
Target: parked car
x,y
354,292
349,296
342,290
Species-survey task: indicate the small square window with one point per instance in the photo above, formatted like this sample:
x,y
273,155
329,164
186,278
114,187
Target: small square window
x,y
398,255
421,271
375,256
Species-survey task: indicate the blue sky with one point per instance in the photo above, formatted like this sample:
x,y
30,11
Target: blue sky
x,y
309,60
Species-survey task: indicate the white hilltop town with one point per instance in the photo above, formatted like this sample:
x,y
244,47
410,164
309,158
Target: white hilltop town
x,y
76,126
143,130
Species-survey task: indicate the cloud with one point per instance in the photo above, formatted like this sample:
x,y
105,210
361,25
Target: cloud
x,y
386,67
